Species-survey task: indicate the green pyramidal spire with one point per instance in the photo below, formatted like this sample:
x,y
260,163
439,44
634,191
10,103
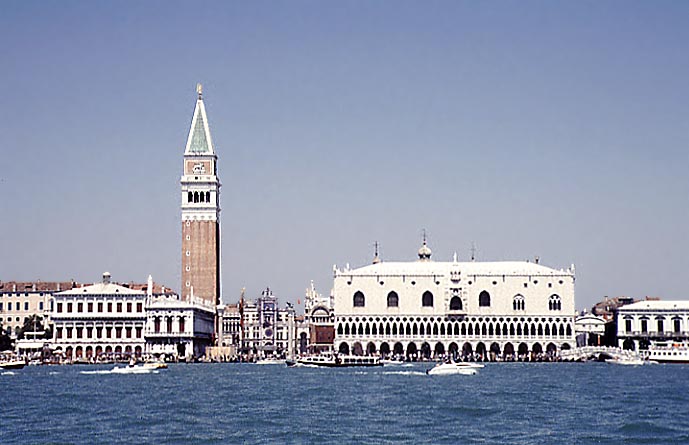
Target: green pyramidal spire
x,y
199,140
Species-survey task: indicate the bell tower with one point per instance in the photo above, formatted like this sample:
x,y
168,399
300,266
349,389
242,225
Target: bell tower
x,y
200,212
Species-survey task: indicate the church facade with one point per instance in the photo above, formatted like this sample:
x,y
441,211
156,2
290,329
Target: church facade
x,y
482,310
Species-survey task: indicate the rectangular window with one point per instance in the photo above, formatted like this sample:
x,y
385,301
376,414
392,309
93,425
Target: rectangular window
x,y
644,326
80,307
58,333
628,325
109,307
118,332
129,307
0,307
79,332
660,326
108,332
677,325
156,325
69,332
26,305
69,307
138,332
100,306
99,332
9,306
59,307
128,332
40,305
181,325
119,307
89,332
139,307
89,307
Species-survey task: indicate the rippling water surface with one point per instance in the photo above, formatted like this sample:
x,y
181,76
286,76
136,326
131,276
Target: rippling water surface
x,y
232,403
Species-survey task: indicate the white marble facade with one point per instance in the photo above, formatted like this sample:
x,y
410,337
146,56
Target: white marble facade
x,y
425,308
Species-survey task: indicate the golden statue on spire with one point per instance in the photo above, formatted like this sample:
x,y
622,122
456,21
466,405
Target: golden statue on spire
x,y
199,90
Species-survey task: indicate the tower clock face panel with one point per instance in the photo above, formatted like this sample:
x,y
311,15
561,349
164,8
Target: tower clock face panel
x,y
192,167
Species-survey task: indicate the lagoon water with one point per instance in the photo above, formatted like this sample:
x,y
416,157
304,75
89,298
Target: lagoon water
x,y
515,403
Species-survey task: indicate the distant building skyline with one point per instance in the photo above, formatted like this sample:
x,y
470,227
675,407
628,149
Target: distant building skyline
x,y
554,130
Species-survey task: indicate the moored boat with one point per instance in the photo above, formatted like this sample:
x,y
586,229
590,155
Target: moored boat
x,y
668,353
454,368
13,364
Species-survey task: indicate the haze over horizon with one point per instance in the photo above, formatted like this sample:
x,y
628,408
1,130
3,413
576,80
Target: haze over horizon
x,y
557,130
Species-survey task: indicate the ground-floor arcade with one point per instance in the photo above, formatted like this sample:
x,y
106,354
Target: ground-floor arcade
x,y
420,349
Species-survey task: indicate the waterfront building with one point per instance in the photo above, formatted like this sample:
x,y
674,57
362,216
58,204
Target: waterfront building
x,y
177,328
19,301
316,333
104,318
590,330
200,189
481,309
266,328
231,333
651,321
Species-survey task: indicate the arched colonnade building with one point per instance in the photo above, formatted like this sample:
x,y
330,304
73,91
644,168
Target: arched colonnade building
x,y
483,310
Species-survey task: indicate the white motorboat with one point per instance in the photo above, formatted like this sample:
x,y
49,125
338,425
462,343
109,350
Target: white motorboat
x,y
392,362
137,369
155,365
452,368
335,361
628,361
13,364
270,361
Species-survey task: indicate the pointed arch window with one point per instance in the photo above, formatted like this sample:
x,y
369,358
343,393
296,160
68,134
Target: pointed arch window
x,y
554,303
484,299
455,304
359,299
427,299
393,299
518,303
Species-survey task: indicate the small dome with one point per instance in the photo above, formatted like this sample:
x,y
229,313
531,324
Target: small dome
x,y
425,252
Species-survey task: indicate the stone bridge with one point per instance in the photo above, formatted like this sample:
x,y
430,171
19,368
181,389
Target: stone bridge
x,y
597,353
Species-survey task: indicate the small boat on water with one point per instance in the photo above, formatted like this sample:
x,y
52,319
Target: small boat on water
x,y
335,361
138,369
13,364
133,368
155,365
392,362
454,368
627,361
270,361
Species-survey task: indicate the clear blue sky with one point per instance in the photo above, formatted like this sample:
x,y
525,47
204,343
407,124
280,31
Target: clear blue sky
x,y
558,129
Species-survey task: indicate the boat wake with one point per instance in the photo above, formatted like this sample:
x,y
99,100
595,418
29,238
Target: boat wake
x,y
8,373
